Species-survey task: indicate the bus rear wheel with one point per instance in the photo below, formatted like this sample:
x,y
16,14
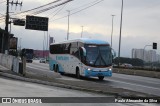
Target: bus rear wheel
x,y
101,77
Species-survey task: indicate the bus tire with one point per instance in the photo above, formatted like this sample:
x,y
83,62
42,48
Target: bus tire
x,y
57,68
62,73
54,67
77,73
101,77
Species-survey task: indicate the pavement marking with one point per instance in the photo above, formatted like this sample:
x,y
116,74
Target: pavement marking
x,y
141,77
134,84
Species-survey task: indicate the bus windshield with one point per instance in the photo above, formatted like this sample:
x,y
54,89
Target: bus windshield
x,y
98,55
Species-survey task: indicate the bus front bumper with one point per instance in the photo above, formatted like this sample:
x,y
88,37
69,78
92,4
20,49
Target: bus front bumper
x,y
90,73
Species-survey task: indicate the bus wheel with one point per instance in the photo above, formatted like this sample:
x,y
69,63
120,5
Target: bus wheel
x,y
56,68
62,73
101,77
77,73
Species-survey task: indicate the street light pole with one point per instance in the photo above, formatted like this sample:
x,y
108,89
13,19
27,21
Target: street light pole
x,y
120,35
82,31
20,43
68,24
112,29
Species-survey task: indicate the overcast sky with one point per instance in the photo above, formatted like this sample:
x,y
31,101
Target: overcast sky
x,y
141,22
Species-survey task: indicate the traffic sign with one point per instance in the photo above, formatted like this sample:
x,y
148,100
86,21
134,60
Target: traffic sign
x,y
154,45
19,22
37,23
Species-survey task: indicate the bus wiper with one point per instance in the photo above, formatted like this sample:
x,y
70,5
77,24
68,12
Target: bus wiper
x,y
96,60
103,60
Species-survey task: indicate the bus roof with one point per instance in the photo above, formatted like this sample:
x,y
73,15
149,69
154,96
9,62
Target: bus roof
x,y
85,40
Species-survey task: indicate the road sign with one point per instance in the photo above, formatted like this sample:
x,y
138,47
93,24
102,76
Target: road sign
x,y
19,22
154,45
37,23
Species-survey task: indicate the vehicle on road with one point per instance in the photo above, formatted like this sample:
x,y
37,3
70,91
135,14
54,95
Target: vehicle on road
x,y
28,53
126,65
83,57
42,60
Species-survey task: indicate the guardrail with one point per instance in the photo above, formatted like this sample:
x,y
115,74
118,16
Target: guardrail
x,y
10,62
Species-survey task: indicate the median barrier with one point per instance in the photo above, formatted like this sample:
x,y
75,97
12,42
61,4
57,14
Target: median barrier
x,y
7,61
10,62
15,65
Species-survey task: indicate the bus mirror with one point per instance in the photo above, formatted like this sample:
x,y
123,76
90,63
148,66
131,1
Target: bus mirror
x,y
83,51
113,53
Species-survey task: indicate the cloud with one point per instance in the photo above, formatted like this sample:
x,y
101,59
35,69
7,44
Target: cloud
x,y
140,23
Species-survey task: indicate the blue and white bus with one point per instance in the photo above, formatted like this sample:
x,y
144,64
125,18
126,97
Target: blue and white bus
x,y
83,57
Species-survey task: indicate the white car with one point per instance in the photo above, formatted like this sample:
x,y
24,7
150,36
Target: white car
x,y
42,61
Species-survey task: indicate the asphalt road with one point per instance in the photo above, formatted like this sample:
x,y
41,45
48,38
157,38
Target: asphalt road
x,y
15,88
130,82
135,83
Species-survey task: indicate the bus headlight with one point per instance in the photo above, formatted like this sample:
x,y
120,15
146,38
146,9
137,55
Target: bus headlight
x,y
110,69
89,69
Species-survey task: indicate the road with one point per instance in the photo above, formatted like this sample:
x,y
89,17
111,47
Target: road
x,y
15,88
135,83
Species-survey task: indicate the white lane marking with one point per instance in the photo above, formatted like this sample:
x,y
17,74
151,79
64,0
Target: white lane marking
x,y
136,79
135,84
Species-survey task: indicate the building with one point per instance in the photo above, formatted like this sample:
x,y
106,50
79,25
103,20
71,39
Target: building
x,y
41,53
146,55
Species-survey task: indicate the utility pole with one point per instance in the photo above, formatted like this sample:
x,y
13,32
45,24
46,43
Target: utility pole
x,y
7,17
68,24
7,22
112,29
82,31
120,35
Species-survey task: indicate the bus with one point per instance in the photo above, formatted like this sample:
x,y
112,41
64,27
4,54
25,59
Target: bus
x,y
28,53
82,57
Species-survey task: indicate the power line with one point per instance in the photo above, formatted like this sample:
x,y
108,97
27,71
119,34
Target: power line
x,y
78,11
77,7
84,5
58,11
49,14
37,7
49,8
46,9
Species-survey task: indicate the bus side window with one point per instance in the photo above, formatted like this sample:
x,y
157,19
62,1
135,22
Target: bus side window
x,y
81,54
